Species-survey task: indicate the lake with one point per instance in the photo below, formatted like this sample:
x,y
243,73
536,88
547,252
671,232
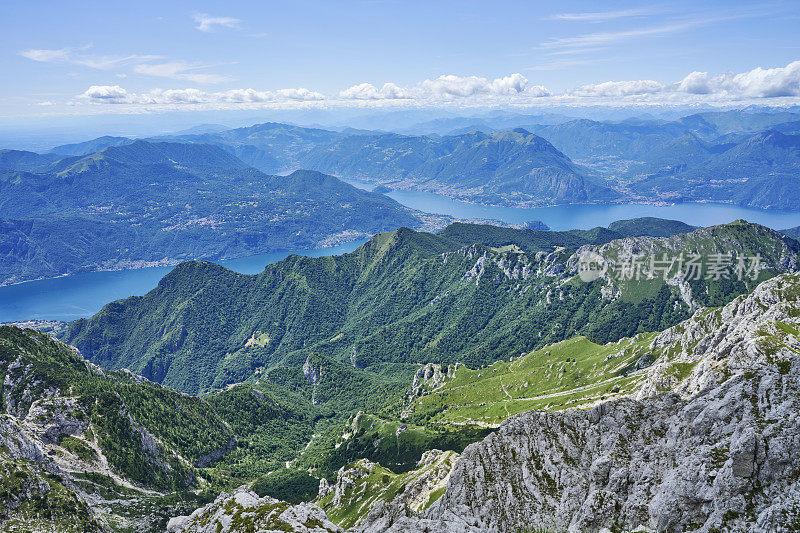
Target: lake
x,y
82,295
590,216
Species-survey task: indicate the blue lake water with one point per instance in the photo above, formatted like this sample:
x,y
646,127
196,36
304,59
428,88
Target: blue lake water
x,y
590,216
81,295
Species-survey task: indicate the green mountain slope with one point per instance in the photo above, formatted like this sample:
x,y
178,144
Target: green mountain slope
x,y
515,166
269,147
25,161
83,449
760,171
710,418
90,147
700,157
649,226
407,297
156,203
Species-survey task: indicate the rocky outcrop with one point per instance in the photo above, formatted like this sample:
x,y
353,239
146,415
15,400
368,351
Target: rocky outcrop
x,y
427,378
214,455
244,511
365,488
718,452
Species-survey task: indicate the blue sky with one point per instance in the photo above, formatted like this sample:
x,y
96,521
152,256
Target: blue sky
x,y
125,57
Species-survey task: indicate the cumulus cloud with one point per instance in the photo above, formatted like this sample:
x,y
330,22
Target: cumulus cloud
x,y
618,89
764,83
367,91
207,23
695,83
756,83
114,94
447,87
696,87
108,93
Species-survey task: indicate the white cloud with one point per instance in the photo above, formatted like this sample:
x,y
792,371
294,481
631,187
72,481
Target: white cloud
x,y
764,83
115,94
105,93
180,70
753,84
696,88
77,56
47,56
602,16
208,23
605,38
695,83
617,89
447,87
367,91
756,83
140,64
300,94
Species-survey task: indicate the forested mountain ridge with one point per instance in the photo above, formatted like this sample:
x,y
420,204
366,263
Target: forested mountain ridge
x,y
703,441
760,171
318,340
408,297
90,147
72,433
24,160
147,203
86,449
699,157
516,166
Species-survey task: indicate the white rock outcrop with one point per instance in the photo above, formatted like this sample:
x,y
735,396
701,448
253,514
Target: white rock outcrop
x,y
720,452
244,511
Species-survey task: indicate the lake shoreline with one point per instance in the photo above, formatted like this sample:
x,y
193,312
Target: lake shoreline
x,y
79,295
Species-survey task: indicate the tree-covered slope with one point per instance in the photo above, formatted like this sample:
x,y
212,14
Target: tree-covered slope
x,y
702,439
86,449
409,297
82,449
25,161
90,147
700,157
759,171
650,226
269,147
155,203
516,165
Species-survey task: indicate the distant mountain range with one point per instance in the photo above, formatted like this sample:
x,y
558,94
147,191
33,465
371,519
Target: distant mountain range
x,y
145,203
744,158
762,170
211,192
509,167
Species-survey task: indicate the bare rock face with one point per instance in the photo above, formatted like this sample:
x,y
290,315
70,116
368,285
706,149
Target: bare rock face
x,y
244,511
719,452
